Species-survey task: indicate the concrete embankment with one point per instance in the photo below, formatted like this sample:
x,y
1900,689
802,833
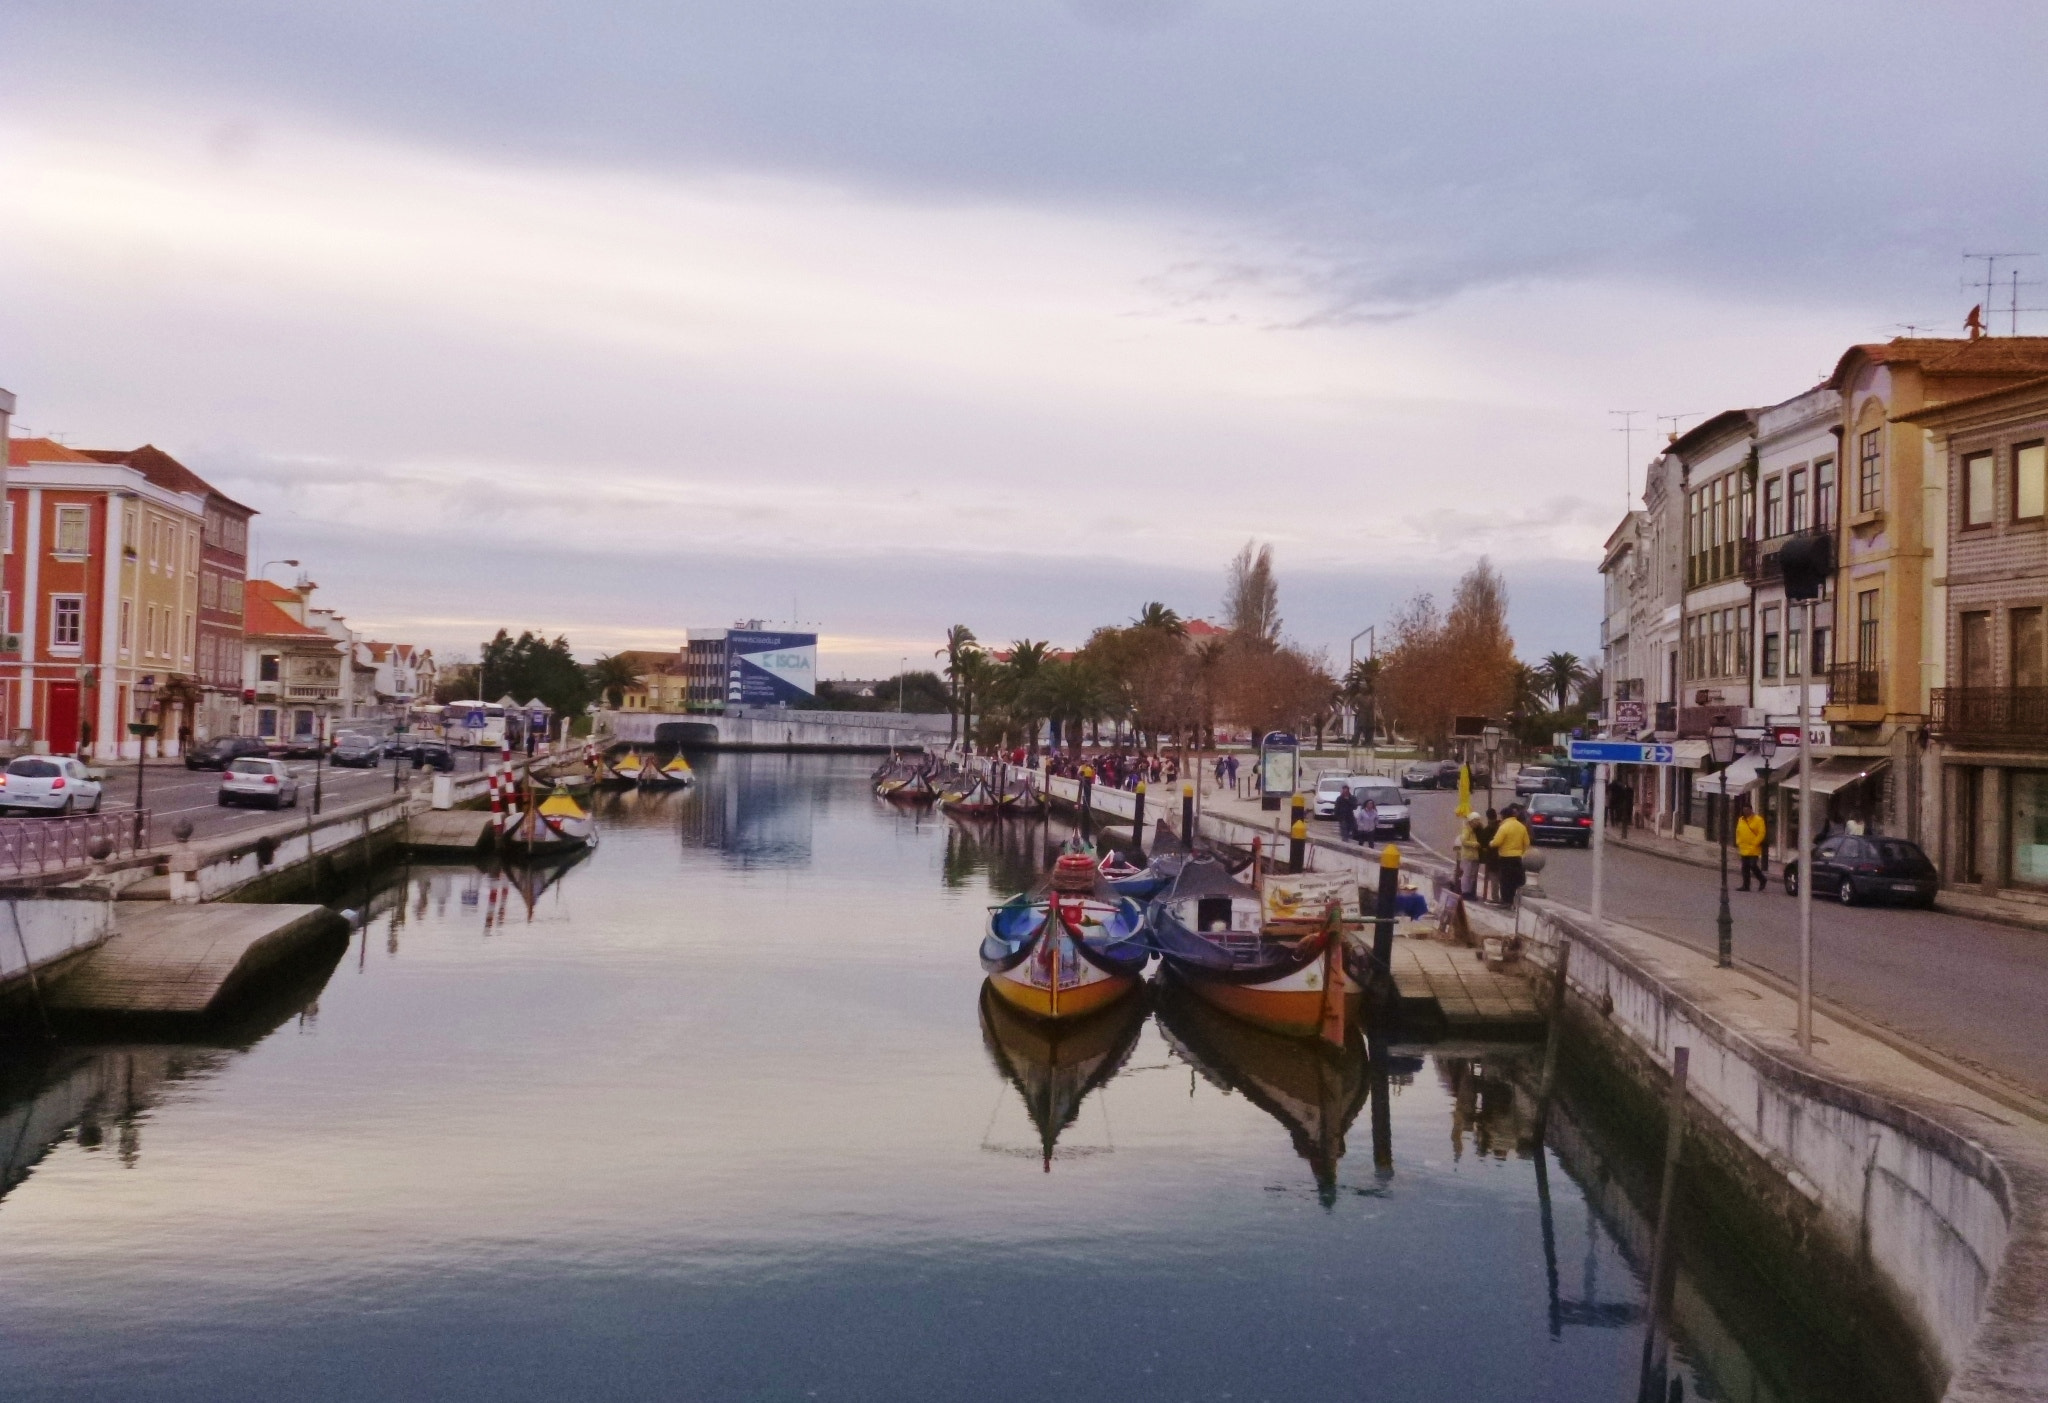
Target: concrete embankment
x,y
773,728
1858,1165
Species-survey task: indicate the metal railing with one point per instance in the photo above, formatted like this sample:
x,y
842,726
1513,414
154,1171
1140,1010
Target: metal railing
x,y
44,845
1991,713
1854,684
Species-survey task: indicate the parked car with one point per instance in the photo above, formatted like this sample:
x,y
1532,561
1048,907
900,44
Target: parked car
x,y
1853,867
49,784
357,752
1424,775
1391,803
433,755
1447,773
1540,779
251,780
307,747
219,754
1559,818
1327,790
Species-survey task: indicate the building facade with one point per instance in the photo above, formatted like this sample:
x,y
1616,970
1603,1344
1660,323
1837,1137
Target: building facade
x,y
294,669
101,594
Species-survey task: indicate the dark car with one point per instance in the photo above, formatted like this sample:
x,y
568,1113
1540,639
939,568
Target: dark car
x,y
432,755
1447,773
357,752
1559,818
1853,867
221,753
1423,775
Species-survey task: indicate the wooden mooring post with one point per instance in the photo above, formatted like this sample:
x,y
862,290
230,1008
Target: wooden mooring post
x,y
1650,1388
1560,974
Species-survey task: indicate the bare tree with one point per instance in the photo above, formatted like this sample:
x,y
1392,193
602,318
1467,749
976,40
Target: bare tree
x,y
1251,596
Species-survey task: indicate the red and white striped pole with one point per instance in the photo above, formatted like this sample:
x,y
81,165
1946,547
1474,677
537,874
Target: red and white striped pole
x,y
497,803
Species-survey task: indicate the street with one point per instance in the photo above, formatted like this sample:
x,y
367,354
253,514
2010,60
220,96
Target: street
x,y
1972,990
171,792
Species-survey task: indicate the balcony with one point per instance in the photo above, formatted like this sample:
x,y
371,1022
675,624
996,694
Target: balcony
x,y
1992,715
1760,561
1854,684
311,691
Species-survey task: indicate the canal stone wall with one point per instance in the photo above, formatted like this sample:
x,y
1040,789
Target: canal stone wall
x,y
1882,1182
45,928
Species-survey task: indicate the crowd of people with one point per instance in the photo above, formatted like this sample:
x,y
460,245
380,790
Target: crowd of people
x,y
1114,769
1490,849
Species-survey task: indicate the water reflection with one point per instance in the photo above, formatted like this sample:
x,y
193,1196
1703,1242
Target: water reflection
x,y
1054,1066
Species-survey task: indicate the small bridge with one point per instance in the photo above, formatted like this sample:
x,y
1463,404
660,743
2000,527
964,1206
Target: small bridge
x,y
774,728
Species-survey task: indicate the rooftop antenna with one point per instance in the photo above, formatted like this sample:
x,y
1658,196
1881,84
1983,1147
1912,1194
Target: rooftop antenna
x,y
1989,286
1672,420
2014,306
1628,455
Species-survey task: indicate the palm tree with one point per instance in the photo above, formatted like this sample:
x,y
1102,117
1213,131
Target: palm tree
x,y
960,642
1531,690
1072,697
613,676
976,674
1157,616
1357,692
1562,672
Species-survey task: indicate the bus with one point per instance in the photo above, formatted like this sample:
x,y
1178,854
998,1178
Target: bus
x,y
473,725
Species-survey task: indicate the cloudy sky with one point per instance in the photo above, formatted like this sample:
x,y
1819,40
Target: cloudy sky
x,y
618,317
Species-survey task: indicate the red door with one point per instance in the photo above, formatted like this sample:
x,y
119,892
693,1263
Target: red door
x,y
61,720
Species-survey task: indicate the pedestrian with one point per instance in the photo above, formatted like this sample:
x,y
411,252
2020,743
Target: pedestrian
x,y
1489,861
1347,813
1219,772
1470,851
1231,768
1369,820
1749,846
1510,842
1621,804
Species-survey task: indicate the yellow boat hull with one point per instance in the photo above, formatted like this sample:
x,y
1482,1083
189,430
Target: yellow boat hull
x,y
1072,1001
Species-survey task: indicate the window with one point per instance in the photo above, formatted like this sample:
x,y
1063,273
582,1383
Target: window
x,y
191,552
8,528
2029,826
2029,654
191,637
1795,500
266,722
1793,637
1742,627
1771,641
127,624
1973,637
67,622
150,530
1870,471
149,634
266,668
1820,656
1824,494
209,590
1866,627
1977,494
73,526
231,596
2029,481
1774,507
7,612
130,530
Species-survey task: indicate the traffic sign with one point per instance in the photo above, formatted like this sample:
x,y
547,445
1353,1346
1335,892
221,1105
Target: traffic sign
x,y
475,719
1620,752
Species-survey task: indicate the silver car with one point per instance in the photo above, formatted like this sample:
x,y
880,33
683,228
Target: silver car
x,y
49,784
1392,812
250,780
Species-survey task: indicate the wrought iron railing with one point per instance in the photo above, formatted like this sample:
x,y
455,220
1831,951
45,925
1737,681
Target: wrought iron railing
x,y
1992,713
1855,684
44,845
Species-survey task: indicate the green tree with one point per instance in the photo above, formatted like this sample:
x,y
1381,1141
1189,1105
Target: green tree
x,y
960,642
535,666
612,676
1561,673
1157,617
1251,595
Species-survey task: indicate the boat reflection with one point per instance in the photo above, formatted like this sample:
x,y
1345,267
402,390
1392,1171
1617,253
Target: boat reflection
x,y
1055,1065
1313,1089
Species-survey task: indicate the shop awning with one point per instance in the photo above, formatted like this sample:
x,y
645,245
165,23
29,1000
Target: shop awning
x,y
1688,754
1832,772
1745,772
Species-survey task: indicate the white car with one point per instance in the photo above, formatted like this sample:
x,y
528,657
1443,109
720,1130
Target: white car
x,y
1327,790
49,783
250,780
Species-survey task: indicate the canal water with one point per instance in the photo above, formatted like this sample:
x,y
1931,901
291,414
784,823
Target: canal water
x,y
717,1113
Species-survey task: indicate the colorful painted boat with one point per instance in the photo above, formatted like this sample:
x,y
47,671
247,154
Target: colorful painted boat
x,y
907,787
676,774
972,800
1023,802
622,772
1284,973
1313,1090
1054,1066
554,826
1066,952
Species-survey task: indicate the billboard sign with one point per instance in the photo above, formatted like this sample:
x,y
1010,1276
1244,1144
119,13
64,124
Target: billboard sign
x,y
770,669
1631,716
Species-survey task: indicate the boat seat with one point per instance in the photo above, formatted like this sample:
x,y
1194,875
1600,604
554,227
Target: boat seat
x,y
1212,913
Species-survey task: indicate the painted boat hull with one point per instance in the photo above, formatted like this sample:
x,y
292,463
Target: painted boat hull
x,y
1043,969
1276,985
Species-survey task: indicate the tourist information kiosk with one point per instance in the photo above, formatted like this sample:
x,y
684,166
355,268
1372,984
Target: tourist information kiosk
x,y
1279,768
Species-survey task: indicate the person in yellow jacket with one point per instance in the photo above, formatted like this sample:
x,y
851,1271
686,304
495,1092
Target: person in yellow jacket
x,y
1510,841
1468,849
1749,846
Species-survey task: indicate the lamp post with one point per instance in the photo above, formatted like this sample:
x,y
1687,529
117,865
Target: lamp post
x,y
268,563
1721,745
142,728
1489,746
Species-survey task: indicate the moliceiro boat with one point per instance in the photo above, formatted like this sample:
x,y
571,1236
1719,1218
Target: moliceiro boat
x,y
973,800
1069,951
906,782
554,826
634,769
1274,955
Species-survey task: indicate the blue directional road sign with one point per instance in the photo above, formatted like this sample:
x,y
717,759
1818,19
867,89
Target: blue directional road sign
x,y
1620,752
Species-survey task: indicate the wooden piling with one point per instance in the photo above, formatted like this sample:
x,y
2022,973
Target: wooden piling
x,y
1659,1286
1559,974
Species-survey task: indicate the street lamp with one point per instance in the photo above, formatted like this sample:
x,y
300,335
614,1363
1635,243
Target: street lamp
x,y
142,728
268,563
1489,745
1721,745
